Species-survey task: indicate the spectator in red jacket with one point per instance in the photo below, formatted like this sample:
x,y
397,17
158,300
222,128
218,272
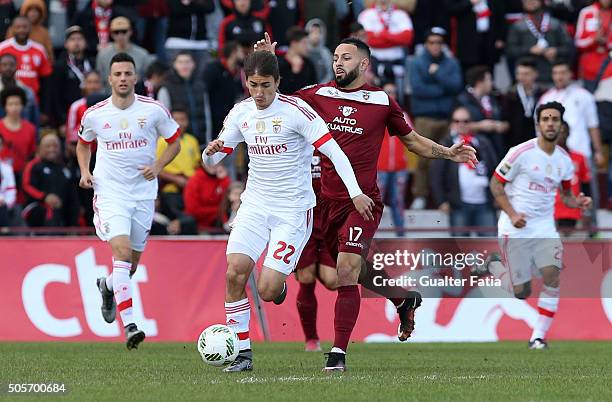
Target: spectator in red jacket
x,y
566,217
19,134
594,37
203,195
389,32
392,173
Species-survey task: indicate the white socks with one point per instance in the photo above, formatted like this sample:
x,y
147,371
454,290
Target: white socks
x,y
547,307
122,286
238,315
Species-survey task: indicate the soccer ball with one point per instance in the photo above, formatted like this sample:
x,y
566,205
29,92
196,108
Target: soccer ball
x,y
218,345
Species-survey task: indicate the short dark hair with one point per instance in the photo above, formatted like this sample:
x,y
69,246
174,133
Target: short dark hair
x,y
229,48
550,105
263,63
90,72
183,53
561,62
180,109
461,107
355,27
157,67
527,62
122,58
476,74
361,45
12,91
9,55
295,34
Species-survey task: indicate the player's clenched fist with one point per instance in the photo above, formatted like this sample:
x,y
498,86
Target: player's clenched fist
x,y
364,205
214,147
87,180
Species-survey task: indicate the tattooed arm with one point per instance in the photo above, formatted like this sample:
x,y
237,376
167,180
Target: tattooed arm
x,y
425,147
571,201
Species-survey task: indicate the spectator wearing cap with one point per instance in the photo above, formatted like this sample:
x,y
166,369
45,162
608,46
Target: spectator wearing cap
x,y
187,30
121,32
36,12
518,105
459,189
68,78
295,67
427,14
435,77
480,31
390,33
50,188
8,70
540,36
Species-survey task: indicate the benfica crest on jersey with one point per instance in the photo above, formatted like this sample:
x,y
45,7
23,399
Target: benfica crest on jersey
x,y
141,121
365,94
276,125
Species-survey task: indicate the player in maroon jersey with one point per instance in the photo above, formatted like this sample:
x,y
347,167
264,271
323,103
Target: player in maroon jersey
x,y
357,114
315,263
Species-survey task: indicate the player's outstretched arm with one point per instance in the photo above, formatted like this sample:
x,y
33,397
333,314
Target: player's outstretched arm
x,y
151,172
362,202
427,148
499,193
83,152
571,201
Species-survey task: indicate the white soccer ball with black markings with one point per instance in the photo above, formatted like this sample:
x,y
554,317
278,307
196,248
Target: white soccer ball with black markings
x,y
218,345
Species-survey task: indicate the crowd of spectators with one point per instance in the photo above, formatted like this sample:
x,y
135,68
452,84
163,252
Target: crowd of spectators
x,y
441,59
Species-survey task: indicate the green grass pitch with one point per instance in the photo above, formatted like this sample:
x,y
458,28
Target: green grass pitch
x,y
507,371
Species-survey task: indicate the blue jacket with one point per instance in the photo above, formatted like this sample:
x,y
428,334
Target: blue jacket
x,y
433,94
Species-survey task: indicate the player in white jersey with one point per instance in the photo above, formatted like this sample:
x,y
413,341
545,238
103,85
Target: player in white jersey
x,y
525,185
124,180
280,132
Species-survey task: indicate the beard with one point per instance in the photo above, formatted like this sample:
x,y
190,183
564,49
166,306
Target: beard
x,y
551,139
348,78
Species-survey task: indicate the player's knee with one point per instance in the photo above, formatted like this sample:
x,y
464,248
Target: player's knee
x,y
522,291
268,292
306,275
552,278
330,283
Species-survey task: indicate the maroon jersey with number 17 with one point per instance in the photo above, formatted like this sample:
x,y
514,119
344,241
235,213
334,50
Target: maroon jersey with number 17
x,y
357,120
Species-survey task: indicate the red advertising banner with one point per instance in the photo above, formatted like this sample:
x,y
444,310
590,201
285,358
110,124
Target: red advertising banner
x,y
48,293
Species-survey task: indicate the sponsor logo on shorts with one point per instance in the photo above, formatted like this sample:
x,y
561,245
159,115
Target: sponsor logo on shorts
x,y
106,227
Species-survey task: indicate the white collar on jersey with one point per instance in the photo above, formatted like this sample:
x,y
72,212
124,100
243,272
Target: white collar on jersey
x,y
363,96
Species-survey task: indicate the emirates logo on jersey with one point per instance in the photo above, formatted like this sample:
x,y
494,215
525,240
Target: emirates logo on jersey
x,y
347,110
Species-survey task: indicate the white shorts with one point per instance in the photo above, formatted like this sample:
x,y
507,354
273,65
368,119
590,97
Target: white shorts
x,y
286,235
525,257
114,217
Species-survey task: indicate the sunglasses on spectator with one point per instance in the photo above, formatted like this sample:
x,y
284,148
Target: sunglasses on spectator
x,y
120,32
461,121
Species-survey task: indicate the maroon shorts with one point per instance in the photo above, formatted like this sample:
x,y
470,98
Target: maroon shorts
x,y
345,230
315,251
